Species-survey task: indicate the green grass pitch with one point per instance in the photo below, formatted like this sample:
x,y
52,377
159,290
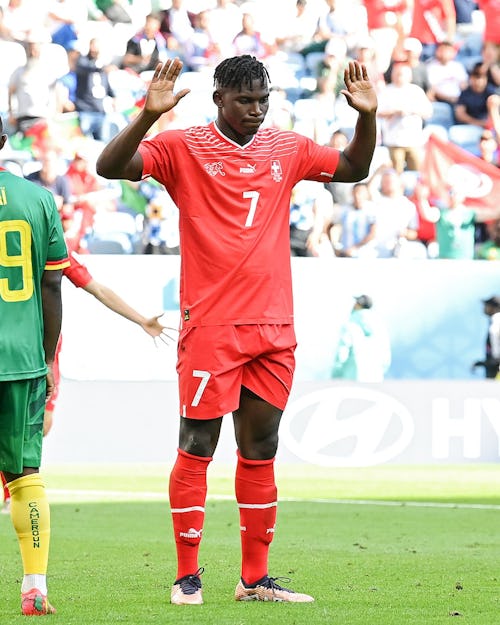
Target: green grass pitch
x,y
375,546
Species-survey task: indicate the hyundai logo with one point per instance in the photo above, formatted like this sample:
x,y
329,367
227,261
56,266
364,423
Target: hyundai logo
x,y
346,426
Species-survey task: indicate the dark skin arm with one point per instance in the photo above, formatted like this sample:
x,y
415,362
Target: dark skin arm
x,y
52,317
120,158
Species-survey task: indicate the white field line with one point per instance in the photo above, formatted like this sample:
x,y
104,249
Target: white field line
x,y
71,496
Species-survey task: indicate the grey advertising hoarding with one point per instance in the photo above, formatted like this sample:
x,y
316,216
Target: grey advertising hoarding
x,y
325,424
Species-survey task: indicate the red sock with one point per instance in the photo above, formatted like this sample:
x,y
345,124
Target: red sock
x,y
188,491
6,493
256,494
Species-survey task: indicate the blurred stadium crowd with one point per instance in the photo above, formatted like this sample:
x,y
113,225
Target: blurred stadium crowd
x,y
74,72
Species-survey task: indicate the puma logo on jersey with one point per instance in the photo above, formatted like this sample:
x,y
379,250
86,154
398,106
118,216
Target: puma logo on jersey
x,y
248,169
215,168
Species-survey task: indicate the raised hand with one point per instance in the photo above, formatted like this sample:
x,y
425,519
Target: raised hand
x,y
160,96
360,92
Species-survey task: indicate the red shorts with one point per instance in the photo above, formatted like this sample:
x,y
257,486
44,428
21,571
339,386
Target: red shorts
x,y
214,362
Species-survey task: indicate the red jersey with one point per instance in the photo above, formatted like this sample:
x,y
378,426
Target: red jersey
x,y
77,273
491,10
429,19
234,209
377,10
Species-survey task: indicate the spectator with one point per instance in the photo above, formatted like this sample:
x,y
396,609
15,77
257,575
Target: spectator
x,y
66,84
146,48
488,148
202,50
403,107
50,177
396,234
65,19
4,31
410,52
89,196
161,226
426,232
224,23
433,21
353,230
249,40
491,308
490,53
365,52
364,349
177,27
20,18
93,91
385,26
447,76
297,29
115,11
464,10
455,225
331,67
32,87
341,193
336,22
490,249
478,104
309,207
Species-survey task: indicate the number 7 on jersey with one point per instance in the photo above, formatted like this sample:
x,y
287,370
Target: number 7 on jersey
x,y
253,196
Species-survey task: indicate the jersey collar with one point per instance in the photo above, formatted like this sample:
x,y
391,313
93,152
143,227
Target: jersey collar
x,y
226,138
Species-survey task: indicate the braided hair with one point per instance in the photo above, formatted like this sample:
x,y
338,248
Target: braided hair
x,y
238,72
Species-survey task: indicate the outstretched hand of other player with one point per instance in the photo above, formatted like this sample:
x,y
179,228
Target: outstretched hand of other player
x,y
154,328
360,92
160,96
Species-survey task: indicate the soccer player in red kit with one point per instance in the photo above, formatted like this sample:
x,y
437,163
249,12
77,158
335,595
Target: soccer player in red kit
x,y
232,182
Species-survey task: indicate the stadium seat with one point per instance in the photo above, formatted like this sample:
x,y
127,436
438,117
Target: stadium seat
x,y
466,136
114,222
442,114
117,243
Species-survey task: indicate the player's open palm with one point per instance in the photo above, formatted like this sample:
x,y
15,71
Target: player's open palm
x,y
360,92
160,97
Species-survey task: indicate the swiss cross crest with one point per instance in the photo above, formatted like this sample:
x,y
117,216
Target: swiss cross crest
x,y
215,168
276,171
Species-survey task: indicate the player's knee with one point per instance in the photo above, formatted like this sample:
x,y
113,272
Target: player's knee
x,y
259,449
199,437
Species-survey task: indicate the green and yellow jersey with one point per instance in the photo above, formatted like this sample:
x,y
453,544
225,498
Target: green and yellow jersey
x,y
31,241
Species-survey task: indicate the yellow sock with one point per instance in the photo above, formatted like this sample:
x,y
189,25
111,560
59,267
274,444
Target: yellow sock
x,y
30,515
